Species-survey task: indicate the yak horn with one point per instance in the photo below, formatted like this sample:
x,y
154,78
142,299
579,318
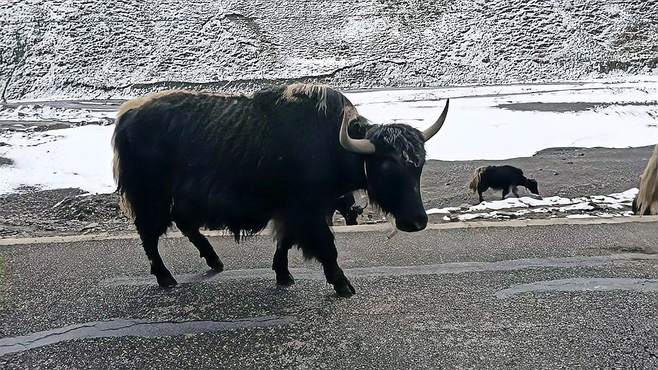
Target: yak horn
x,y
432,130
361,146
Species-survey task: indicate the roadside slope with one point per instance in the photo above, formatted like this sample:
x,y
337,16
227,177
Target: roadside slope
x,y
106,48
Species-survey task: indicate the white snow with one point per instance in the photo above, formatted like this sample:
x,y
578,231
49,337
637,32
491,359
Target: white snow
x,y
500,204
626,196
446,210
76,157
510,207
583,206
476,128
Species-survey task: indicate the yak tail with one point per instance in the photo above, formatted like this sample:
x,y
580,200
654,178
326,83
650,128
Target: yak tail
x,y
475,181
119,172
646,202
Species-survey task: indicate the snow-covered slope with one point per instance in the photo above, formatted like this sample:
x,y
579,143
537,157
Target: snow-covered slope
x,y
101,48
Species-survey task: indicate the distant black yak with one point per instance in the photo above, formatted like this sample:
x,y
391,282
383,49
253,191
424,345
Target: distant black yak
x,y
236,162
347,207
505,178
646,201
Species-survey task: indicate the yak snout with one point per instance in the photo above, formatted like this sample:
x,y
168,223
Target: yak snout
x,y
411,224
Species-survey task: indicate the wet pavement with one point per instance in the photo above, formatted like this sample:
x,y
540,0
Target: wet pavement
x,y
573,295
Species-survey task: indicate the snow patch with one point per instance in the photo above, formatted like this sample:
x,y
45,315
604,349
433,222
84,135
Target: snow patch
x,y
483,122
77,157
584,206
446,210
580,207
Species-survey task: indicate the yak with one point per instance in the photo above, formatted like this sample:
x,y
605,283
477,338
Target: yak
x,y
646,201
347,207
505,178
238,162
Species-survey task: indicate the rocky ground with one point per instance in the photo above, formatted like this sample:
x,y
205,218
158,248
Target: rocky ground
x,y
565,172
94,48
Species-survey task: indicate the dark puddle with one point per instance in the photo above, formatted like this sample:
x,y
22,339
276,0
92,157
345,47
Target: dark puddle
x,y
130,328
565,107
582,284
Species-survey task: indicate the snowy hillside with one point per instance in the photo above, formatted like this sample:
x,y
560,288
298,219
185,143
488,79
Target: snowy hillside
x,y
103,48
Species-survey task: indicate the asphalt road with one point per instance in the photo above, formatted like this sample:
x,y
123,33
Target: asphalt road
x,y
555,296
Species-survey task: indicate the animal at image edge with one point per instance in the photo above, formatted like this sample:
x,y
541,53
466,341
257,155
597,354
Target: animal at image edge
x,y
283,154
505,178
646,201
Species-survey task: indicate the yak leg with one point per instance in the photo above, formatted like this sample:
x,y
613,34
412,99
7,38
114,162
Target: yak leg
x,y
280,262
205,248
317,240
162,274
505,192
183,212
151,220
481,189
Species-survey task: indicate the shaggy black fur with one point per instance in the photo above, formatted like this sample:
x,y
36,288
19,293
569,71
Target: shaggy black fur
x,y
237,162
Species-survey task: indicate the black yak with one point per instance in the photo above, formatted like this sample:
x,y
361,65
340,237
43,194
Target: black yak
x,y
505,178
646,201
347,207
236,162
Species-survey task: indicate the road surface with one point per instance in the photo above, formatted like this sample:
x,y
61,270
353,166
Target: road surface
x,y
581,294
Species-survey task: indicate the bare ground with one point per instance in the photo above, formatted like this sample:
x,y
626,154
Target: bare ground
x,y
567,172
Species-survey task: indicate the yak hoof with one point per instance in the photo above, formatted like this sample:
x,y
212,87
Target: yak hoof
x,y
166,281
344,288
284,279
215,264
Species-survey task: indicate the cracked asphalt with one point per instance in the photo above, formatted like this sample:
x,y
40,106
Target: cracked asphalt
x,y
553,296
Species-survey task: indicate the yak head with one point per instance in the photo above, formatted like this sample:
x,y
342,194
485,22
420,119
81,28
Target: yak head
x,y
394,157
531,185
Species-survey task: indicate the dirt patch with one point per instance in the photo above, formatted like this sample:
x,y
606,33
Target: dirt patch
x,y
33,212
6,161
32,126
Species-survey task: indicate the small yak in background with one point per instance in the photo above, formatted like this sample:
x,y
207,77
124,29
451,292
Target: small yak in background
x,y
347,207
646,201
236,162
505,178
